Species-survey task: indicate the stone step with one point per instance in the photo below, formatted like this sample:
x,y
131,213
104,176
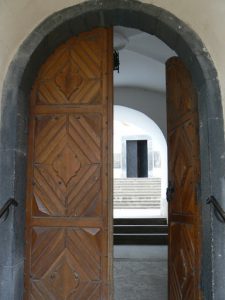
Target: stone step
x,y
135,205
136,188
138,179
143,199
130,192
136,193
128,204
136,201
140,239
138,198
123,186
138,207
140,221
137,183
140,231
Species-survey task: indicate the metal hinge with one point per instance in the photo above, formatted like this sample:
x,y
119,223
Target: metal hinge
x,y
169,191
218,210
4,211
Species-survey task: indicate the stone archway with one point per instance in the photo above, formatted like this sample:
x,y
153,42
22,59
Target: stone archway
x,y
13,137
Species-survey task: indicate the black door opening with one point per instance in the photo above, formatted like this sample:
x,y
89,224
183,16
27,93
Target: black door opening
x,y
137,158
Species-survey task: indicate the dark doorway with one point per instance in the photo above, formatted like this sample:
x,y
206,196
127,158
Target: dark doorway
x,y
137,158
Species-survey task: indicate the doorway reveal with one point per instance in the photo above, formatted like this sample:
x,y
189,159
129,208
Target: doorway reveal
x,y
140,168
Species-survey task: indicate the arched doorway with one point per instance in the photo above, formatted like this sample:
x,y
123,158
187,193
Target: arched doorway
x,y
129,125
56,29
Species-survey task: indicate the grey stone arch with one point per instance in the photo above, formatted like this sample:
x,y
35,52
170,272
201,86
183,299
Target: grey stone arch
x,y
13,134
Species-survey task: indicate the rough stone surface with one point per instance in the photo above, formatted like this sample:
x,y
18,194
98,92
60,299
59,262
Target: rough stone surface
x,y
6,279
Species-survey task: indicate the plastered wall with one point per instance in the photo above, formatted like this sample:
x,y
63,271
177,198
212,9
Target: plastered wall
x,y
152,104
18,18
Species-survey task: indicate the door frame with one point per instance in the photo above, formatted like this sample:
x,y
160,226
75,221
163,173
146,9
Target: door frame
x,y
14,115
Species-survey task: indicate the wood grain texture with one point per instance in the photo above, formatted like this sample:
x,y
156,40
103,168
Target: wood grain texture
x,y
184,173
68,207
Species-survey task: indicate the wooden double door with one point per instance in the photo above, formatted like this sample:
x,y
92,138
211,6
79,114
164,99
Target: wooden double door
x,y
69,178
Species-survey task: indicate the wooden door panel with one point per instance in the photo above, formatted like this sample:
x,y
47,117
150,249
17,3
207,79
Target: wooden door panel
x,y
183,285
68,228
181,100
50,244
66,270
58,183
184,173
74,72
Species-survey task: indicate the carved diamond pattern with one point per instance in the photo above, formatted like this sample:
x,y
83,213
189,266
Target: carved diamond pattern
x,y
69,79
184,168
188,192
67,213
70,268
180,169
67,170
182,269
66,164
181,154
72,74
181,96
63,279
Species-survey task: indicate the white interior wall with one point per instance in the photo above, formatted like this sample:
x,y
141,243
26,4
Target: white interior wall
x,y
128,123
152,104
138,123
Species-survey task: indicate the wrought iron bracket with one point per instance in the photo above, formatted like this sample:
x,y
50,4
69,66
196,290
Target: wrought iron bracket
x,y
169,191
219,212
4,211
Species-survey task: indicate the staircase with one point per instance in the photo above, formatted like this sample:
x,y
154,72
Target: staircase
x,y
137,193
140,231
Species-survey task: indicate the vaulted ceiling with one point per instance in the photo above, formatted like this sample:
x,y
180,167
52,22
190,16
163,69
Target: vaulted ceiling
x,y
142,59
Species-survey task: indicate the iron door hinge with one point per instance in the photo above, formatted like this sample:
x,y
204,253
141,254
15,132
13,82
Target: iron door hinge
x,y
169,191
